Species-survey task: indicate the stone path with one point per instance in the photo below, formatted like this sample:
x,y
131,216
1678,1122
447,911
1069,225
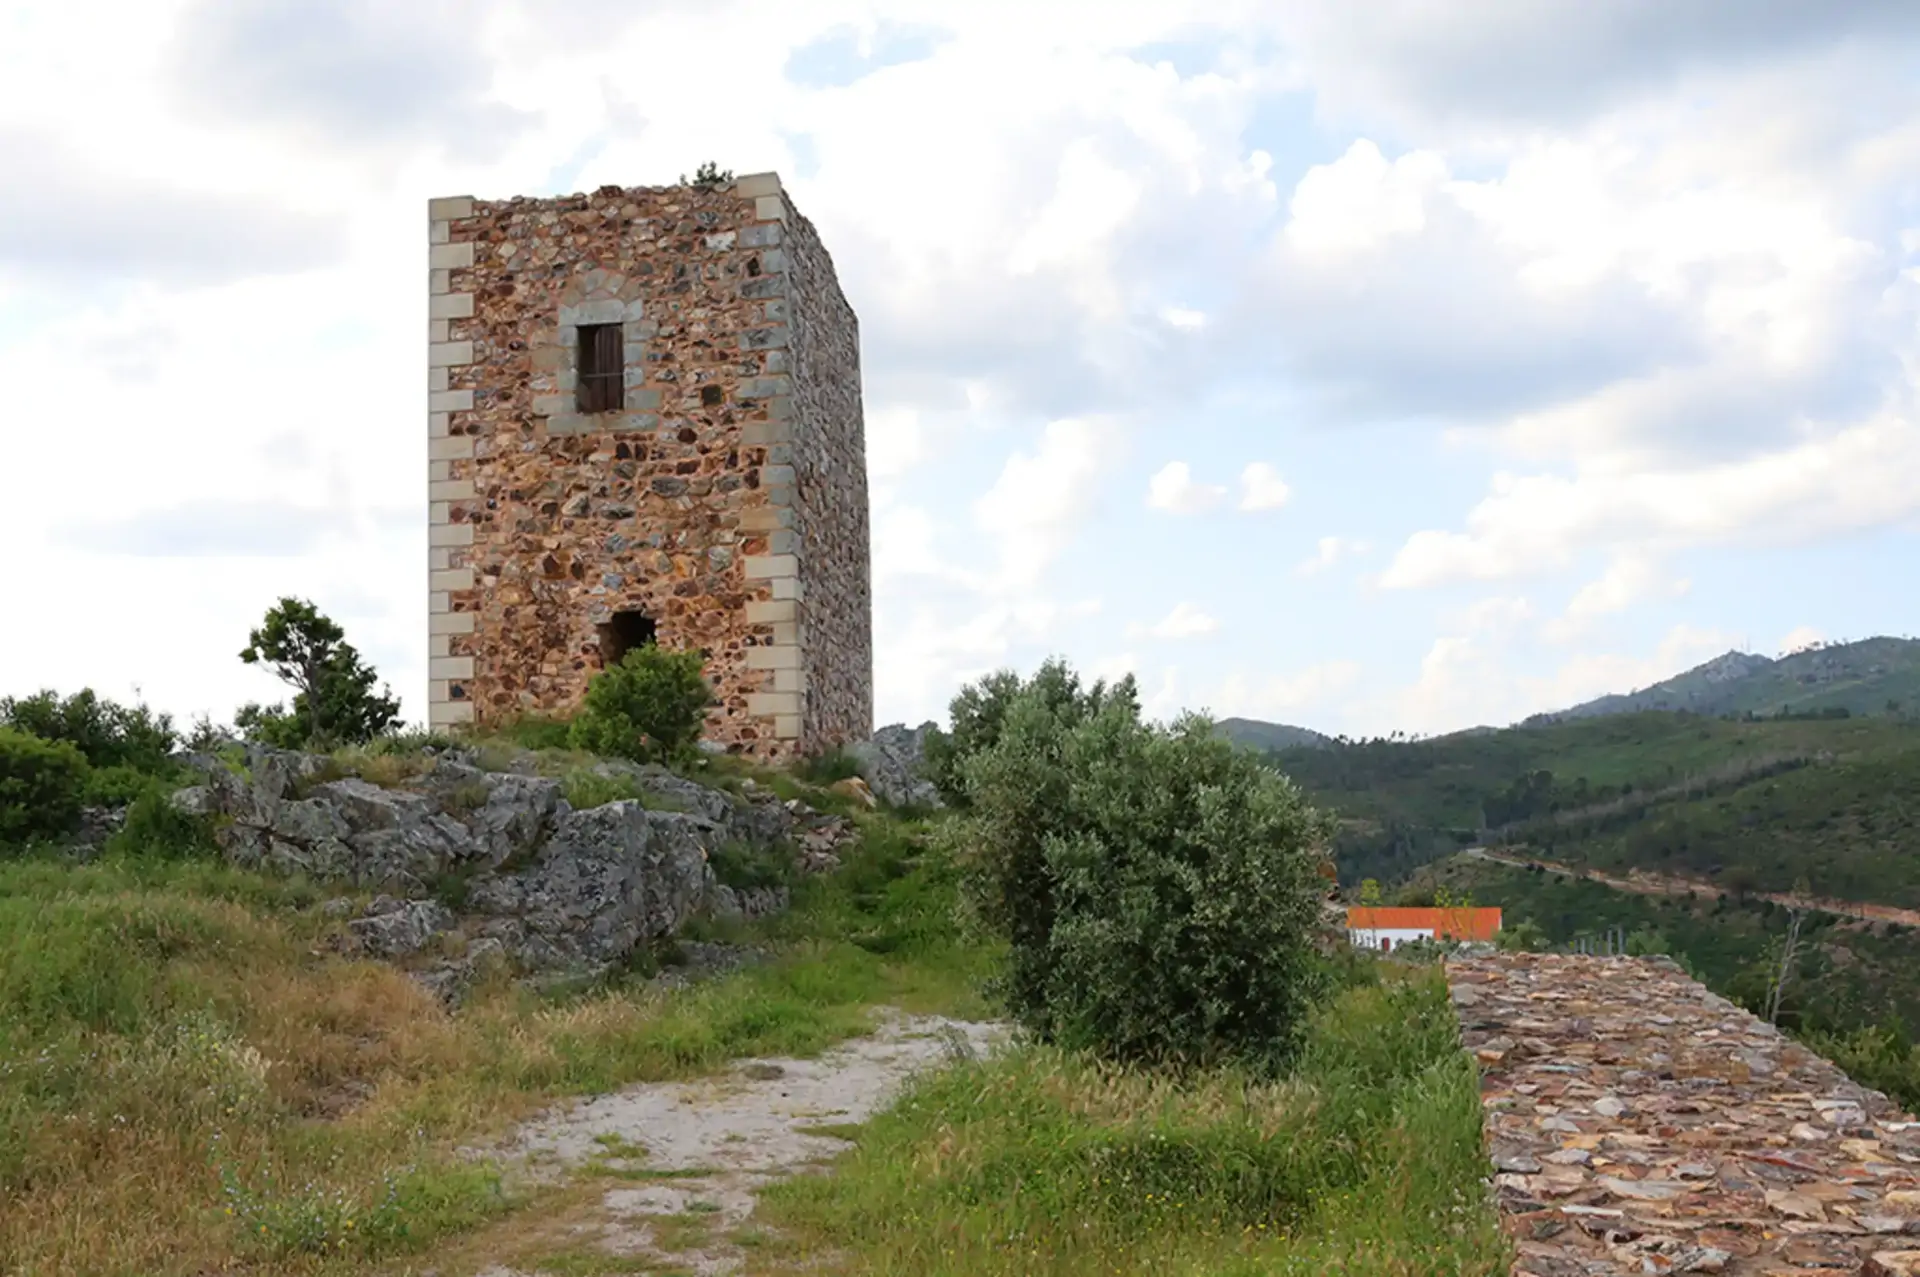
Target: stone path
x,y
1641,1124
687,1159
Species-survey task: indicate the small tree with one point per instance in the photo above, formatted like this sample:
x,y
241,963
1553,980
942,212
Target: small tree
x,y
1370,900
1157,886
977,713
650,707
334,700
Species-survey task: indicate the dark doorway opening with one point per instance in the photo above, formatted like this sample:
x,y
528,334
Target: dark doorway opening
x,y
623,633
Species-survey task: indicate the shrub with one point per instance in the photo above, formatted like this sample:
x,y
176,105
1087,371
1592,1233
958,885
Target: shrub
x,y
1157,886
979,710
648,708
41,782
156,828
106,733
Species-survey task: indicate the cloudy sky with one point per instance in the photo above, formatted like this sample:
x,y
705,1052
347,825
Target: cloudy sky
x,y
1409,364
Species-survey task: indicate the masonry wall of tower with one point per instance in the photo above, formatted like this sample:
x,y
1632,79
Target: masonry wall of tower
x,y
830,506
724,501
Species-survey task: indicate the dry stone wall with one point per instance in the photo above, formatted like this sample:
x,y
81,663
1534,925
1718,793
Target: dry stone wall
x,y
724,502
1638,1123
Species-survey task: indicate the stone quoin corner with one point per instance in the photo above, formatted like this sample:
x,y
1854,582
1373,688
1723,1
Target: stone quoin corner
x,y
645,424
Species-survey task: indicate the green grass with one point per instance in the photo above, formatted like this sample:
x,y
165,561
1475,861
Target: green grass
x,y
1366,1160
176,1042
183,1052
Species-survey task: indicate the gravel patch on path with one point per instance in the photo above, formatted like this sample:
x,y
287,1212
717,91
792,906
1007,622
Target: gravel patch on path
x,y
696,1153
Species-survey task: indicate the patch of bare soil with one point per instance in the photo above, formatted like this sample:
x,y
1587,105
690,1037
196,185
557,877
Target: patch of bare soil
x,y
677,1166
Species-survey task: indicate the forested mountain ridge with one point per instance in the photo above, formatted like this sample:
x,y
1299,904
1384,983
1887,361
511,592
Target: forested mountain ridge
x,y
1871,676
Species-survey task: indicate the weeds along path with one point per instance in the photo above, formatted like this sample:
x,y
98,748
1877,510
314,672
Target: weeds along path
x,y
668,1173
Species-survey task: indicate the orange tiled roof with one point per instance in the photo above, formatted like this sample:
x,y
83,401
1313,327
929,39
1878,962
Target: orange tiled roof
x,y
1451,924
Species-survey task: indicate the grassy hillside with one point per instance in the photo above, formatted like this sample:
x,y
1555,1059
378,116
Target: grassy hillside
x,y
1872,676
1757,803
195,1079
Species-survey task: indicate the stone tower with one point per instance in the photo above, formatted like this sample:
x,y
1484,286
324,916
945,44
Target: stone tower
x,y
645,424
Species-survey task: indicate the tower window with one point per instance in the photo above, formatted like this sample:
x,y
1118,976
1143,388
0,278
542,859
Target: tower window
x,y
600,383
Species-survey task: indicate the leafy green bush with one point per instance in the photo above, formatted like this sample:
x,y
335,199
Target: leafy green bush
x,y
115,786
155,827
1881,1056
106,733
1157,886
979,710
41,782
648,708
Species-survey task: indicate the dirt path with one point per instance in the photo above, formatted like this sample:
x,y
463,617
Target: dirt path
x,y
673,1169
1641,882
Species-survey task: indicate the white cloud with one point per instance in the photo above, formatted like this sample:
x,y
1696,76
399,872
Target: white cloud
x,y
1173,489
1799,638
1034,508
1629,579
1842,480
1262,488
1184,317
1329,551
1362,200
1477,674
1183,622
1275,696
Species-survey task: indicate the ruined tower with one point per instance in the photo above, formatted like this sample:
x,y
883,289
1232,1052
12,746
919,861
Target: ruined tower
x,y
645,424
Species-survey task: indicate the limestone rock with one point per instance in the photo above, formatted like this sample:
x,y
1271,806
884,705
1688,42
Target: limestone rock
x,y
544,884
892,763
606,880
393,928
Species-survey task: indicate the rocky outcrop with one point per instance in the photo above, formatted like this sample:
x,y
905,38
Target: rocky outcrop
x,y
893,763
534,879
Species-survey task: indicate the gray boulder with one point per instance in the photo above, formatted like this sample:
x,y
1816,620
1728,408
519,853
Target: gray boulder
x,y
548,886
893,764
607,879
393,928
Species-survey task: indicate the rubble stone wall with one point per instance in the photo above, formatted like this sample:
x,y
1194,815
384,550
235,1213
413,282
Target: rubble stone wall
x,y
1638,1123
741,374
830,502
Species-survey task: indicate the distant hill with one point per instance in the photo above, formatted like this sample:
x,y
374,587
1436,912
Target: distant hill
x,y
1872,676
1758,802
1255,734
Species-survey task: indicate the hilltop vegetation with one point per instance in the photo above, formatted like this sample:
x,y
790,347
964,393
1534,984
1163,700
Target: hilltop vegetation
x,y
1752,804
1872,676
201,1074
